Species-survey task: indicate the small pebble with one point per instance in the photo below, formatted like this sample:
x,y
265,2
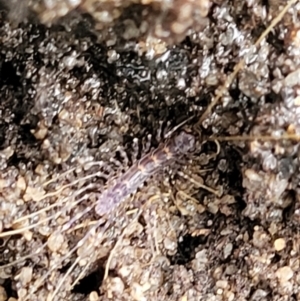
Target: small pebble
x,y
93,296
279,244
284,274
25,275
3,295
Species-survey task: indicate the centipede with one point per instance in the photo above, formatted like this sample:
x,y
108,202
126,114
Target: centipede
x,y
103,200
181,144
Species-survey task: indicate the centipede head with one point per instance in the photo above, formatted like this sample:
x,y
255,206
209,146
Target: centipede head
x,y
185,142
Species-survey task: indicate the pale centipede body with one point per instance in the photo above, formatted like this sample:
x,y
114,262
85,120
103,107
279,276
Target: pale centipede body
x,y
139,172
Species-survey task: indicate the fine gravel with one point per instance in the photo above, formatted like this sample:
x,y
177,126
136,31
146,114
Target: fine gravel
x,y
95,96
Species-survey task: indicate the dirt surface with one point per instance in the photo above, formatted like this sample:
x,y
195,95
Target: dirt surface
x,y
91,92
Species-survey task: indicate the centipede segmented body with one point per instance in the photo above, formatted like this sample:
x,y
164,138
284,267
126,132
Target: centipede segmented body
x,y
180,144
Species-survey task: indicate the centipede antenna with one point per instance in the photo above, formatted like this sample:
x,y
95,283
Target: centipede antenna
x,y
220,92
259,137
171,132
